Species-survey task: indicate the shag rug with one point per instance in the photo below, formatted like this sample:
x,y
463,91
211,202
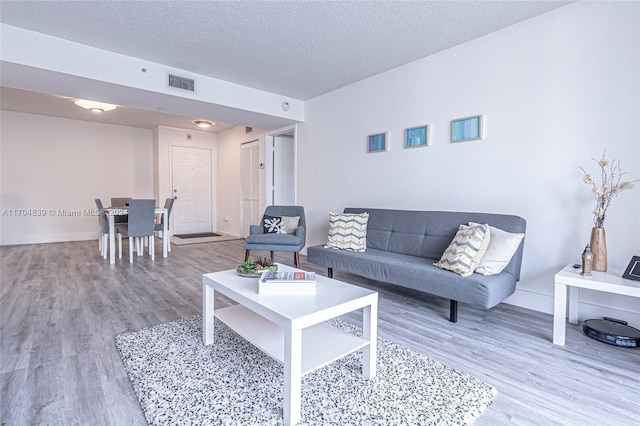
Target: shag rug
x,y
178,380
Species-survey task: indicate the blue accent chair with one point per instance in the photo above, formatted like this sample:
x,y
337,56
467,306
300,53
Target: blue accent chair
x,y
259,240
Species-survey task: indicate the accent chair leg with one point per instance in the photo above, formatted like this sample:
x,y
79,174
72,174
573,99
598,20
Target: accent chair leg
x,y
246,255
296,259
330,272
453,311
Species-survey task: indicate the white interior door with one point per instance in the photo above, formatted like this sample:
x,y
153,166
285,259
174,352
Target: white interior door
x,y
283,176
192,190
250,158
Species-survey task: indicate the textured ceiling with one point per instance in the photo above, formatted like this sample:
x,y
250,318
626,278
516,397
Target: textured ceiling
x,y
299,49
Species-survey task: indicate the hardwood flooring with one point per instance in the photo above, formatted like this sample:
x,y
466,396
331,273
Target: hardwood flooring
x,y
61,305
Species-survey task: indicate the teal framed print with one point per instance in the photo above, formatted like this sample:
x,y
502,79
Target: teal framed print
x,y
415,137
377,142
466,129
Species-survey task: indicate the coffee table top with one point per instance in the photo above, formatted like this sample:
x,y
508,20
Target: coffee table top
x,y
332,298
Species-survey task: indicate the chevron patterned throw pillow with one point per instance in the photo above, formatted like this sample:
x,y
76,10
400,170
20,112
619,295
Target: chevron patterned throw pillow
x,y
466,250
348,231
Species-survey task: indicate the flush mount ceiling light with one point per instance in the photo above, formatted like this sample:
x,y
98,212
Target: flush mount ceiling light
x,y
203,123
95,106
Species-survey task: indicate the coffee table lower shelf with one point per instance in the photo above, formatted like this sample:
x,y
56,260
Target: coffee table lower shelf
x,y
321,344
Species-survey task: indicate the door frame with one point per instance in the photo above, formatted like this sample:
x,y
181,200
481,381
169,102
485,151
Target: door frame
x,y
164,138
212,169
268,151
259,142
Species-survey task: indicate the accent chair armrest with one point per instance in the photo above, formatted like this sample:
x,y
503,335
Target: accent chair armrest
x,y
256,229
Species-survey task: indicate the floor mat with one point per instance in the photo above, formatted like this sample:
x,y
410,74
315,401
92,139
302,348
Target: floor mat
x,y
197,235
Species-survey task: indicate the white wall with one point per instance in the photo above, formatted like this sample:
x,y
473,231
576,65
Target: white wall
x,y
54,165
555,90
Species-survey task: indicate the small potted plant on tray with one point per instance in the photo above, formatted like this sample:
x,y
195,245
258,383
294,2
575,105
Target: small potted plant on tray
x,y
254,268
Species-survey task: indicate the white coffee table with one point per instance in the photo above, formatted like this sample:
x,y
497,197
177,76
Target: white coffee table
x,y
293,329
570,278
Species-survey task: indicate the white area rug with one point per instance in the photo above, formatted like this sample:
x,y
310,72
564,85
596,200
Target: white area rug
x,y
178,380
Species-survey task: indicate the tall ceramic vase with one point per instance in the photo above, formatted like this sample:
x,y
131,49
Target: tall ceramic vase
x,y
599,249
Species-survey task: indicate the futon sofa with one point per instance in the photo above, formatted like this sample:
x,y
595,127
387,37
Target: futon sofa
x,y
402,247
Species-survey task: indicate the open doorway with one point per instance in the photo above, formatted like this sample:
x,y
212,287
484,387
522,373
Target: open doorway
x,y
281,166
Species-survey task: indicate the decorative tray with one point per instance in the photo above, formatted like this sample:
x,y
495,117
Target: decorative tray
x,y
243,271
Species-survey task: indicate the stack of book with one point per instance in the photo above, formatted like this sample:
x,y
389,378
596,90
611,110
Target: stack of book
x,y
283,283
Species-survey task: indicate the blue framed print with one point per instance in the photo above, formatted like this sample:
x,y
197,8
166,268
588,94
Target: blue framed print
x,y
466,129
377,142
417,136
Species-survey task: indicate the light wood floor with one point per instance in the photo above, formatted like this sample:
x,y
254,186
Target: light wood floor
x,y
61,305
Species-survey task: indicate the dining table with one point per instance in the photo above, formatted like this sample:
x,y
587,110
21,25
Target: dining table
x,y
112,212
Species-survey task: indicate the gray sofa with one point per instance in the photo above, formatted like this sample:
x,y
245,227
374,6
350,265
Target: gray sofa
x,y
403,245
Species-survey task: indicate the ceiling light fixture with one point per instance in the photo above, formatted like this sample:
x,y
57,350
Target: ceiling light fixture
x,y
203,123
94,106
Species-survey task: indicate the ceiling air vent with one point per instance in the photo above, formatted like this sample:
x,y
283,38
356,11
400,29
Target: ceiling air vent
x,y
182,83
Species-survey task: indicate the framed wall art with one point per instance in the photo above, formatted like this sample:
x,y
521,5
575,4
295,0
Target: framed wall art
x,y
466,129
415,137
377,142
633,269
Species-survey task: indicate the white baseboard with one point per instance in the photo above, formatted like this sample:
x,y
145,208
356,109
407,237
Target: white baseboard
x,y
227,234
13,240
587,310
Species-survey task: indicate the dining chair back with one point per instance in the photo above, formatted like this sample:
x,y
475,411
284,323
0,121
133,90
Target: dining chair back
x,y
141,224
120,202
168,204
103,230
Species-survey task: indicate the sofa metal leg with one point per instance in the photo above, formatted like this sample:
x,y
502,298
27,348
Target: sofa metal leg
x,y
272,256
296,259
453,311
330,272
246,255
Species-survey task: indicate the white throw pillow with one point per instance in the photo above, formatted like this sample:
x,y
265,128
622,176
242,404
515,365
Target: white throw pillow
x,y
348,231
290,224
466,250
502,247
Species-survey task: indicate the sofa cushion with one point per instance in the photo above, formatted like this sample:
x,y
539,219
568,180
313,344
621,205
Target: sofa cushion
x,y
417,273
348,231
502,247
466,250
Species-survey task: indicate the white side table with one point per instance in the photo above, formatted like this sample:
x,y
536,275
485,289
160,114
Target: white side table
x,y
570,277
